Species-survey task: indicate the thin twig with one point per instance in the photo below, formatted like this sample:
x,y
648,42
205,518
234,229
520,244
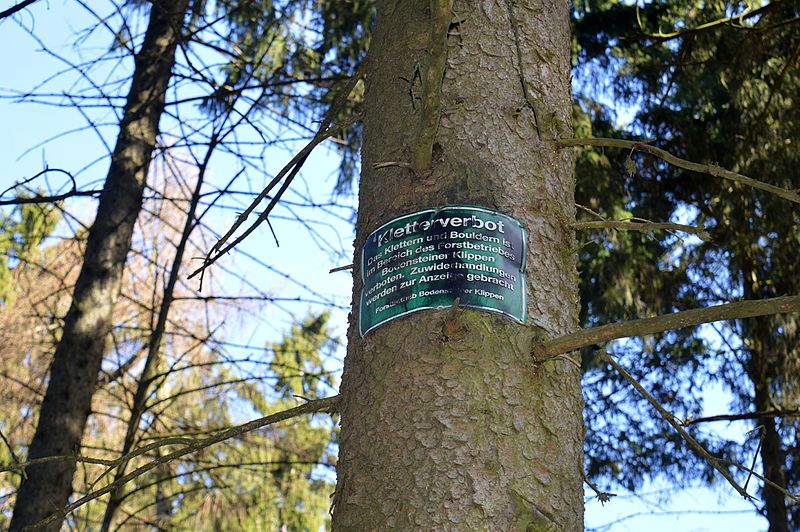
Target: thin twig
x,y
590,211
776,412
20,466
602,496
388,164
289,171
795,497
762,432
36,200
20,200
14,460
341,268
16,7
714,24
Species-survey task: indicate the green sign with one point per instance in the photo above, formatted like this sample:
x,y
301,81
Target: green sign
x,y
427,259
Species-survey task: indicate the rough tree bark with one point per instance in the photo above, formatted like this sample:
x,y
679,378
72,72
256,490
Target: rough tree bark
x,y
79,354
456,427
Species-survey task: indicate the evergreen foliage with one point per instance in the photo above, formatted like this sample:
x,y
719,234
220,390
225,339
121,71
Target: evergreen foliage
x,y
22,230
274,478
718,89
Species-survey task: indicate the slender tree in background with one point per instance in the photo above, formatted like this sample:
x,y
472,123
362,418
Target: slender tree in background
x,y
158,334
79,354
449,405
263,480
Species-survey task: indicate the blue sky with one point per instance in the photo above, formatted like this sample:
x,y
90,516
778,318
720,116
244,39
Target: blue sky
x,y
26,125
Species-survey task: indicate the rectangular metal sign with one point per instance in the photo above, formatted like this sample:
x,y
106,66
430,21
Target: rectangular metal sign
x,y
427,259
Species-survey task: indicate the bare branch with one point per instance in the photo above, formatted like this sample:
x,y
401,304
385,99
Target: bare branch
x,y
327,404
602,496
14,460
38,175
30,200
666,322
341,268
793,496
669,418
325,131
292,168
645,227
33,200
20,466
15,8
710,169
776,412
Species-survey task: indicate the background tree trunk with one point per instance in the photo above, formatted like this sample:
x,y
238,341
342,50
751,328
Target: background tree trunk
x,y
464,431
763,369
79,354
762,372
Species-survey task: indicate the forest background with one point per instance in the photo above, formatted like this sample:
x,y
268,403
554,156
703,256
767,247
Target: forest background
x,y
265,328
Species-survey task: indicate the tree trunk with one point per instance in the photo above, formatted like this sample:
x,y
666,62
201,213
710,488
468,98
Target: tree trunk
x,y
447,420
760,341
79,354
773,461
762,373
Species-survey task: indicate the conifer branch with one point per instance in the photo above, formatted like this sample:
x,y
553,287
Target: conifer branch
x,y
794,497
20,466
775,412
710,169
713,461
713,25
666,322
23,199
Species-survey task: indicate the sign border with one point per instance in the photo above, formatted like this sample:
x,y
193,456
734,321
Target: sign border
x,y
435,210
